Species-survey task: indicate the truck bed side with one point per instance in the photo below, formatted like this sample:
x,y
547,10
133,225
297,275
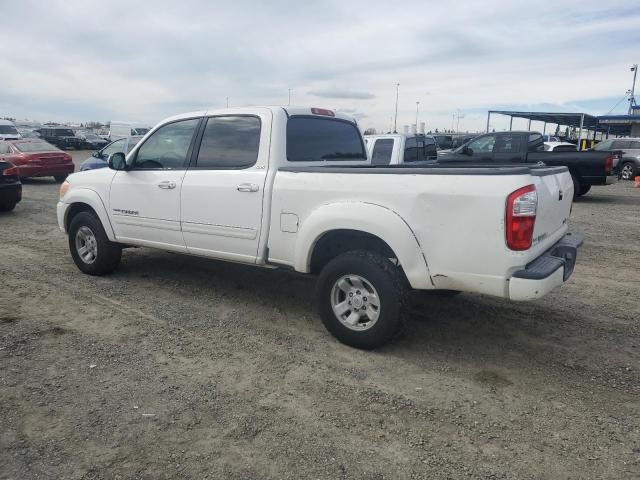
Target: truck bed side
x,y
456,218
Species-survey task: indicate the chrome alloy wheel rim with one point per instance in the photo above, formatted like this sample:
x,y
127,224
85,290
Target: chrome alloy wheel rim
x,y
86,245
355,302
627,170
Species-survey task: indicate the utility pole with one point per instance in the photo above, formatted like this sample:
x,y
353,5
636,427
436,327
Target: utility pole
x,y
395,119
417,105
227,102
632,98
289,97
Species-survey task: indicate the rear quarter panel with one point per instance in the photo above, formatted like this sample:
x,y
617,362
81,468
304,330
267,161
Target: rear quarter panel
x,y
457,221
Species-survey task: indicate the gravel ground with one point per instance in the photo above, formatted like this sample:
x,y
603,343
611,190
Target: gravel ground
x,y
178,367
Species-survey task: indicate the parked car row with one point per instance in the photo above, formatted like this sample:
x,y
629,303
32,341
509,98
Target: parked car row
x,y
67,138
33,157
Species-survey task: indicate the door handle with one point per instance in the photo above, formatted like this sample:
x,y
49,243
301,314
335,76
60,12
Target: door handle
x,y
247,187
167,185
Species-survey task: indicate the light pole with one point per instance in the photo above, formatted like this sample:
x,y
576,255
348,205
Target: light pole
x,y
289,97
417,105
395,118
227,102
632,99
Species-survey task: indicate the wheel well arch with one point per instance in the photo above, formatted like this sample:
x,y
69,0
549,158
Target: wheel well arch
x,y
334,242
75,209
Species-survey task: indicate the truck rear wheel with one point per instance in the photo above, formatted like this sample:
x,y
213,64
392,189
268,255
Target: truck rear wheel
x,y
90,247
577,188
361,296
584,189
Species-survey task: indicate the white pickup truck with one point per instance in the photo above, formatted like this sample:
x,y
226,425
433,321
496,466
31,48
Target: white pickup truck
x,y
398,148
291,187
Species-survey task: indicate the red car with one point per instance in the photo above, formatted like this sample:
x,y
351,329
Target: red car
x,y
37,158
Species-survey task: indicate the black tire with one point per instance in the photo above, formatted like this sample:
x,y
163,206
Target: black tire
x,y
7,206
108,254
389,283
61,178
576,187
629,171
584,189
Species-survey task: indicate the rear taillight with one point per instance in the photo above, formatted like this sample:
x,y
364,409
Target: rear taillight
x,y
522,206
10,171
608,164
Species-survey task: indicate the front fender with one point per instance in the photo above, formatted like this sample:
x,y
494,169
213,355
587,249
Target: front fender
x,y
91,198
370,218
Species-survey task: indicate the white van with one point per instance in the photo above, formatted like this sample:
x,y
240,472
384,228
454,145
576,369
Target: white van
x,y
8,131
121,129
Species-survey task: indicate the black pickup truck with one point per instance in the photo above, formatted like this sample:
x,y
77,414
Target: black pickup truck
x,y
61,137
587,168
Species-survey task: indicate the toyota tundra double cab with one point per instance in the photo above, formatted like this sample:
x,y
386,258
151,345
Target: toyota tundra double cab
x,y
292,187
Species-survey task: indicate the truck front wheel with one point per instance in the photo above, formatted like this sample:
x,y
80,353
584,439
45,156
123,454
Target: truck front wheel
x,y
90,247
361,296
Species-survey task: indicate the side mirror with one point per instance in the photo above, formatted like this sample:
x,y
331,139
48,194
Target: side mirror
x,y
117,161
96,154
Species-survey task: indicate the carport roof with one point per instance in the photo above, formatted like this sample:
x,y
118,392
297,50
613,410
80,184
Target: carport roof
x,y
569,119
591,122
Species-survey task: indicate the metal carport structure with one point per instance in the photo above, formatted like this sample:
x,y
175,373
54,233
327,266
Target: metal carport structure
x,y
581,121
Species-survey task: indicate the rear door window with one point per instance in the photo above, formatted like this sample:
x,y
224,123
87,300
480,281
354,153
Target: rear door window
x,y
382,150
229,142
314,139
411,150
508,144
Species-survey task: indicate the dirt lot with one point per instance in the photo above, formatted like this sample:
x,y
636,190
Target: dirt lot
x,y
178,367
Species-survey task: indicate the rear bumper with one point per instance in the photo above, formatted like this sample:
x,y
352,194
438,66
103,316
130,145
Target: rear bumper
x,y
548,271
45,170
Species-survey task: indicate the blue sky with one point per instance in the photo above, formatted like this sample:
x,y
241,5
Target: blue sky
x,y
142,61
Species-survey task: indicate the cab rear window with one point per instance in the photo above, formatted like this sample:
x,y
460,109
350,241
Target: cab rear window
x,y
313,139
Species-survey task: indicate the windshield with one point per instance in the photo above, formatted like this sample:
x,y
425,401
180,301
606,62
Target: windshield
x,y
312,139
91,136
8,129
29,147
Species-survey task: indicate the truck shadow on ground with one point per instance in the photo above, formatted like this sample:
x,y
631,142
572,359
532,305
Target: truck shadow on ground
x,y
606,199
468,328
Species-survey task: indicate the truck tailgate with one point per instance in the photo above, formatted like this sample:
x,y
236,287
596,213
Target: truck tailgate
x,y
555,195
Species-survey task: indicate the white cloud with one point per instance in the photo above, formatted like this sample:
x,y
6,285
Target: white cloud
x,y
101,60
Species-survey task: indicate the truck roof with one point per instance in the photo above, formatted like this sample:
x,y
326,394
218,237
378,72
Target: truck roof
x,y
289,110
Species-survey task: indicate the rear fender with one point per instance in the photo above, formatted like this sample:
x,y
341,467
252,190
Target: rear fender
x,y
91,198
370,218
